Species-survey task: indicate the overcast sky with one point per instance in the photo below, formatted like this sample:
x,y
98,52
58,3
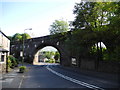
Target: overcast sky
x,y
36,14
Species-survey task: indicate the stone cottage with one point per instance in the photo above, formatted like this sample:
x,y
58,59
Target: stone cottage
x,y
4,50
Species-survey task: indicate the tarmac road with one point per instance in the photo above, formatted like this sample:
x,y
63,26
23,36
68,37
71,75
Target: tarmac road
x,y
53,76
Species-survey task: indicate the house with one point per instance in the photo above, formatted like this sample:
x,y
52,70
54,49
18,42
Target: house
x,y
4,50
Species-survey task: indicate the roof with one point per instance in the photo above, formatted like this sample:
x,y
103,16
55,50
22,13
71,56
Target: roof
x,y
4,34
3,50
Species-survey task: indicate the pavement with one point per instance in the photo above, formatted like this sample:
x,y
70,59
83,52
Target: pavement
x,y
37,76
7,78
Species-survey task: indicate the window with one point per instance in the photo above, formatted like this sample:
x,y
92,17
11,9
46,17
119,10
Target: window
x,y
2,58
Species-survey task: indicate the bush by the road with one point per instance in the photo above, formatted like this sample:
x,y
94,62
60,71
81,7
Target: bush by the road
x,y
22,69
12,61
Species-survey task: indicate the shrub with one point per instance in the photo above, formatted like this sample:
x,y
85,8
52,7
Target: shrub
x,y
22,69
52,61
13,61
47,61
9,63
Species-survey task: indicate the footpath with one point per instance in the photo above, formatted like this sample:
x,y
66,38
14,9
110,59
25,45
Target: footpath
x,y
13,78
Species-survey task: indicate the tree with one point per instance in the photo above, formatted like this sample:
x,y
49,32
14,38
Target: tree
x,y
97,16
96,22
57,56
48,54
58,26
83,12
19,37
13,61
25,36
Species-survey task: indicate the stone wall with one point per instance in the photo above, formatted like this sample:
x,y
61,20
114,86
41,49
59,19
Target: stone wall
x,y
87,64
103,66
2,67
108,66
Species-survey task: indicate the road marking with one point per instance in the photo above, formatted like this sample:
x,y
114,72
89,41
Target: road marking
x,y
75,81
11,74
21,82
8,80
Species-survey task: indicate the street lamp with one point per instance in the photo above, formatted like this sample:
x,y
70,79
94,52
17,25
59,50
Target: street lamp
x,y
23,45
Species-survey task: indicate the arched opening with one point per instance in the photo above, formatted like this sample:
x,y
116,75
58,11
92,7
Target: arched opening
x,y
99,50
47,55
101,44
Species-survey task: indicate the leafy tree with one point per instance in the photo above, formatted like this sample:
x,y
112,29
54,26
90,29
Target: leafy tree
x,y
95,22
13,61
94,15
58,26
19,37
57,56
48,54
25,36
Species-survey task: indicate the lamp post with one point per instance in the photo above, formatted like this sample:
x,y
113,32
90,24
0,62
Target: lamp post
x,y
23,45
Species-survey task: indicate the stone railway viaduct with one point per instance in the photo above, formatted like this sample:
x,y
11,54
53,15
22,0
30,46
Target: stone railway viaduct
x,y
33,45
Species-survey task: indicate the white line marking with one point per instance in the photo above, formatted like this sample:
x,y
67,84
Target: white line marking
x,y
7,80
11,74
21,82
75,81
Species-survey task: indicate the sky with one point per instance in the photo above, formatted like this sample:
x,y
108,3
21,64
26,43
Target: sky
x,y
49,48
18,15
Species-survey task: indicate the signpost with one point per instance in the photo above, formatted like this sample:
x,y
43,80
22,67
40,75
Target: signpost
x,y
74,62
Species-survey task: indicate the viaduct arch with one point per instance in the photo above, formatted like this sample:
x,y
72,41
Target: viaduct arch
x,y
31,47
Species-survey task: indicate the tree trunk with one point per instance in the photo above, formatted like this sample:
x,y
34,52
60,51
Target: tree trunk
x,y
97,60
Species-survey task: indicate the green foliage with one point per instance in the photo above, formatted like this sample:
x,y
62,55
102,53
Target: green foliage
x,y
57,56
95,15
12,61
19,37
47,61
51,56
25,36
9,63
113,56
51,60
83,13
22,69
58,26
100,21
80,41
93,49
116,54
48,54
